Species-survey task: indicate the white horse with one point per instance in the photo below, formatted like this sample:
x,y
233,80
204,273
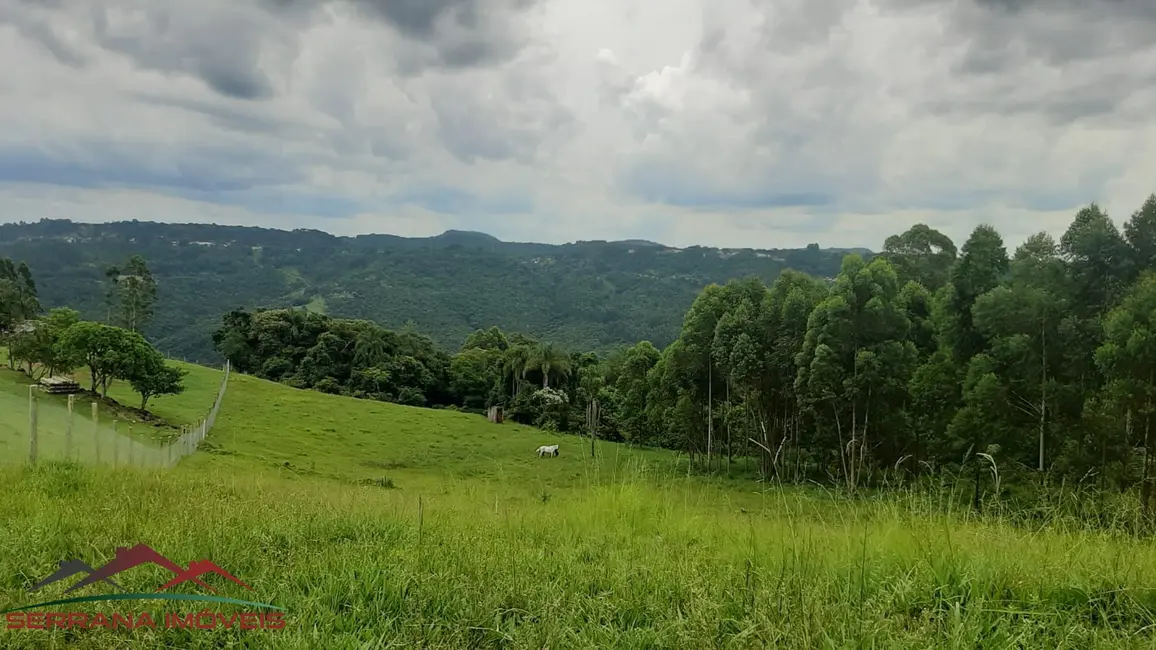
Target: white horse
x,y
547,450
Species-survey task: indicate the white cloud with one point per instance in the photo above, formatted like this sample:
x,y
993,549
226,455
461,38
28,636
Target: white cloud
x,y
729,123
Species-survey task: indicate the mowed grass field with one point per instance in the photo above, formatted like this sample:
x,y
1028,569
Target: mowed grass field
x,y
480,544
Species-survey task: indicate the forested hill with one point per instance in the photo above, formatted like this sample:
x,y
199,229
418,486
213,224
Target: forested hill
x,y
588,295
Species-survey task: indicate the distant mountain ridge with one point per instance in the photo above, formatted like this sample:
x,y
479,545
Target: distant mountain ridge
x,y
585,295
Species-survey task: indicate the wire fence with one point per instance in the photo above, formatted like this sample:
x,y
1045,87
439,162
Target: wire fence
x,y
58,430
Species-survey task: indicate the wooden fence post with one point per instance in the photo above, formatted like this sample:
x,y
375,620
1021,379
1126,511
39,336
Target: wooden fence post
x,y
95,432
68,431
32,441
130,445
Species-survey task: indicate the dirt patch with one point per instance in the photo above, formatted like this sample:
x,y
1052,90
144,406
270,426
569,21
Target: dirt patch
x,y
383,464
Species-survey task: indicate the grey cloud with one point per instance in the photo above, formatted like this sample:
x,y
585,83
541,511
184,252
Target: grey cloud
x,y
220,45
241,84
821,121
810,108
237,50
441,33
1103,50
494,118
418,18
421,18
103,163
472,129
46,36
31,21
229,118
791,23
1000,34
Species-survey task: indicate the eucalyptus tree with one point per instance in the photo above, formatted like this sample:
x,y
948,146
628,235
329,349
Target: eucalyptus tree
x,y
856,361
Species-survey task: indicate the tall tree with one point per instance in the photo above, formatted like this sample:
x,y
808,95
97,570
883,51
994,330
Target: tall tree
x,y
1098,259
487,339
1022,319
856,360
633,389
1140,233
922,254
37,346
370,346
19,301
109,352
549,359
1128,359
132,294
982,264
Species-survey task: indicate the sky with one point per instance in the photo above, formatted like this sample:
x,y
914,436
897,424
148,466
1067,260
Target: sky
x,y
731,123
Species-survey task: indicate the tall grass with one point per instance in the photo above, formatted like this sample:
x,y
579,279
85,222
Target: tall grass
x,y
644,562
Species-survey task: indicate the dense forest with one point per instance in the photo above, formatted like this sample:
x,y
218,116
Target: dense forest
x,y
588,295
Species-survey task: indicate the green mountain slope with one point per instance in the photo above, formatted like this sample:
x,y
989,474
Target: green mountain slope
x,y
587,295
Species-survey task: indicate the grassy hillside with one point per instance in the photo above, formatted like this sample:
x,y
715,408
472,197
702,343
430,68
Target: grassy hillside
x,y
588,296
482,545
265,426
148,434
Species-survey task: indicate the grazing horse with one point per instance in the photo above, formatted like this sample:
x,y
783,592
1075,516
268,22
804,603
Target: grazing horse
x,y
547,450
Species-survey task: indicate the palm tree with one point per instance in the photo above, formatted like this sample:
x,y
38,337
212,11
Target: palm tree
x,y
590,382
550,359
297,319
369,347
515,364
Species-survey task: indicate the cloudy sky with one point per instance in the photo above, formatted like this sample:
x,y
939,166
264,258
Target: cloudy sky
x,y
767,123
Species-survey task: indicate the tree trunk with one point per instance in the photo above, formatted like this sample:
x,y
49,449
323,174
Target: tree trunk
x,y
1043,389
863,435
709,412
853,442
842,446
728,417
1146,488
1127,436
592,416
1103,458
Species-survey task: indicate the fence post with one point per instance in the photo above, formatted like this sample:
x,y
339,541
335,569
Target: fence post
x,y
68,431
95,433
130,445
32,441
115,444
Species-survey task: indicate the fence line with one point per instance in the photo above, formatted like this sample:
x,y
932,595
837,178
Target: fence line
x,y
56,436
